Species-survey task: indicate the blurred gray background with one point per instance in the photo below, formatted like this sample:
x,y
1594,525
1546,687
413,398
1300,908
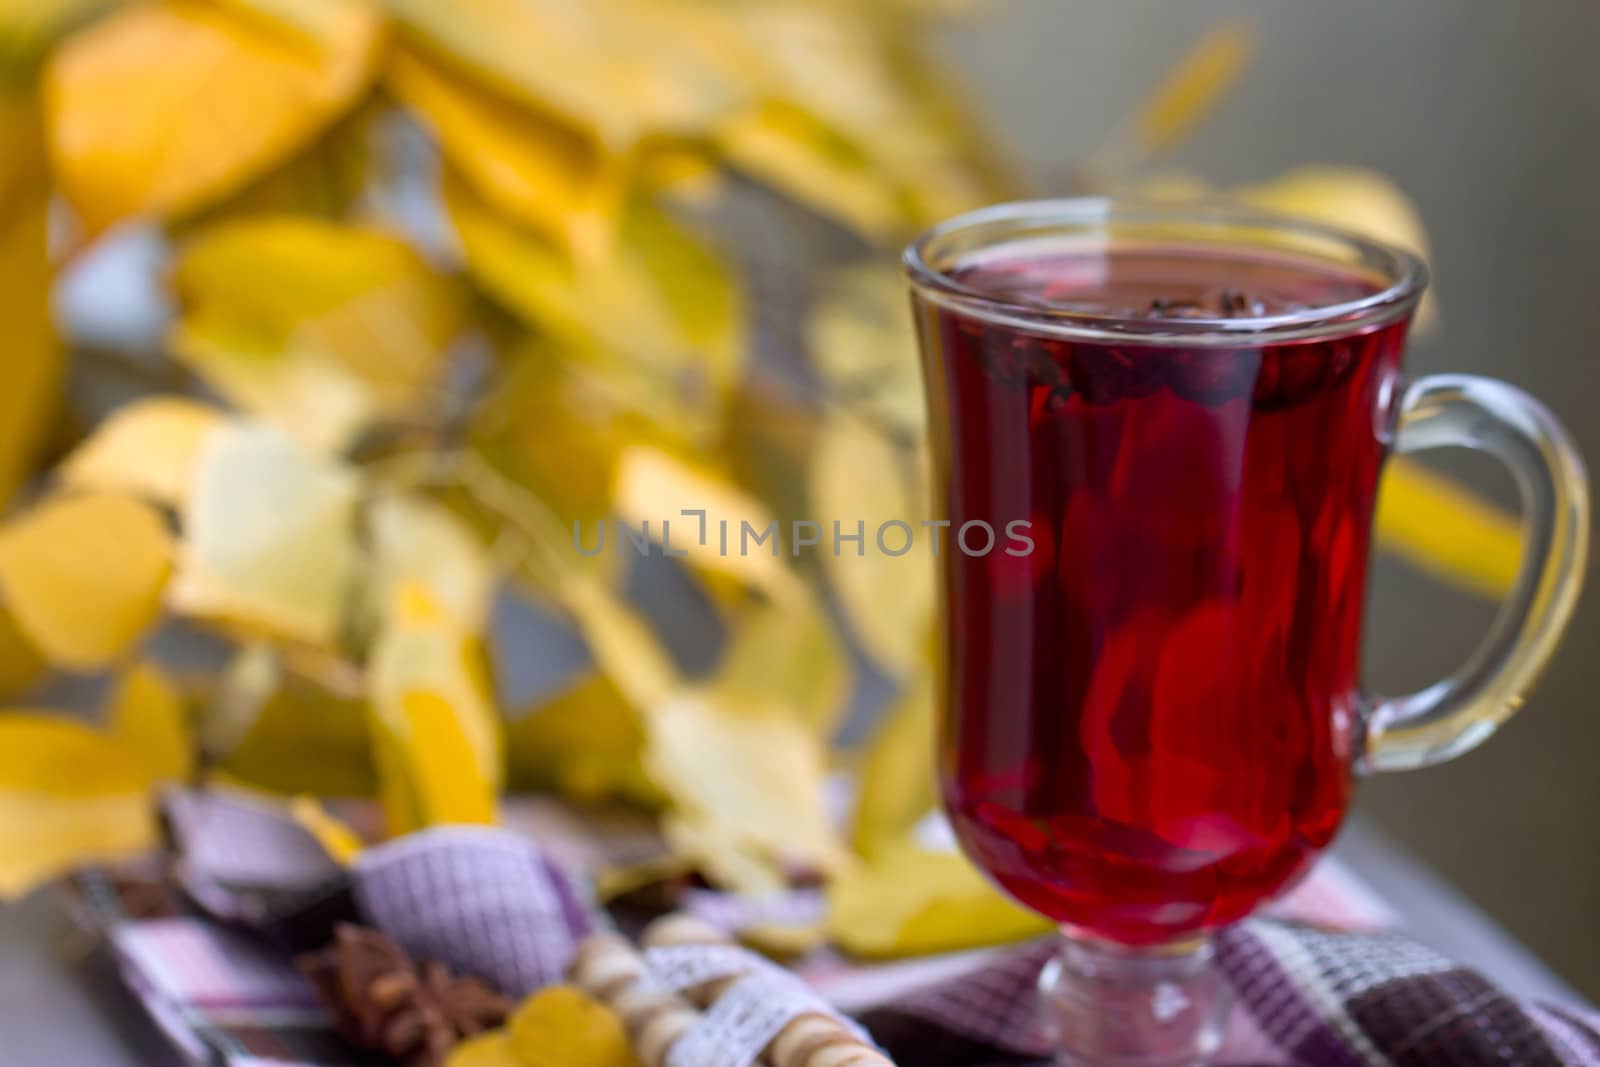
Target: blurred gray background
x,y
1488,114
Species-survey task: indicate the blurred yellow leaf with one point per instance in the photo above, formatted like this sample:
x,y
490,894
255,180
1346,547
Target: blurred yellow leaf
x,y
860,483
722,856
800,156
417,541
435,727
149,720
624,69
33,361
586,742
840,128
323,24
562,419
30,28
315,326
337,839
540,168
563,1027
273,728
492,1049
620,640
269,536
1445,530
83,575
1192,89
897,787
911,902
863,344
20,662
784,654
753,779
654,488
68,796
1352,198
664,301
129,134
148,447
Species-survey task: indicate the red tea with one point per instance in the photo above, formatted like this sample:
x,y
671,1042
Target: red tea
x,y
1151,718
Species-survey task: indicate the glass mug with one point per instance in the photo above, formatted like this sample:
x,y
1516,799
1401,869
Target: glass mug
x,y
1152,720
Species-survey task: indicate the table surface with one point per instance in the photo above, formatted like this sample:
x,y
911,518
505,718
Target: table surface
x,y
62,1005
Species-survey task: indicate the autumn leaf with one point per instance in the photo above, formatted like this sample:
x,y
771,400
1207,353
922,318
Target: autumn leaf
x,y
486,1050
415,541
20,663
897,788
30,28
863,345
864,484
742,780
1352,198
149,447
68,796
83,575
796,153
1445,530
912,902
434,726
839,129
623,70
664,301
540,168
127,137
1192,88
586,741
785,654
323,24
274,728
338,840
619,639
653,490
318,327
269,536
148,719
563,1027
33,358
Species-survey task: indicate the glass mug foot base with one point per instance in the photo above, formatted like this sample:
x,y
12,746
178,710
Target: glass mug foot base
x,y
1109,1006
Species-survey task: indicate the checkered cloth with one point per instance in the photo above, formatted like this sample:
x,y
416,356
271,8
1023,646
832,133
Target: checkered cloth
x,y
488,902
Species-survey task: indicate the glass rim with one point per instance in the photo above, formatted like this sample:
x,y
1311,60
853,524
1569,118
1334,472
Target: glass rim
x,y
1406,272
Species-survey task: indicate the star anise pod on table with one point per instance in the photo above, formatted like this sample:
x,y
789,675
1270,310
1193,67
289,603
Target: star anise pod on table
x,y
382,999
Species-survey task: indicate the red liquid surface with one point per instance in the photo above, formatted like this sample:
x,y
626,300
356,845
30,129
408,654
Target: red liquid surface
x,y
1151,719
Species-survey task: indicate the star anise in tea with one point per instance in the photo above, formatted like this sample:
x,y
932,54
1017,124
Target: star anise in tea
x,y
383,1000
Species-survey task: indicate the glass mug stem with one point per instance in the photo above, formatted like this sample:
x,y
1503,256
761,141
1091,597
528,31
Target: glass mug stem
x,y
1457,714
1107,1005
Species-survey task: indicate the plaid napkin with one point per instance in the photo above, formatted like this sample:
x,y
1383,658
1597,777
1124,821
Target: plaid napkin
x,y
489,902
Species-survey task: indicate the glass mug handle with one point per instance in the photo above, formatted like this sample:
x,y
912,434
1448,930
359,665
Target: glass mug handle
x,y
1455,715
